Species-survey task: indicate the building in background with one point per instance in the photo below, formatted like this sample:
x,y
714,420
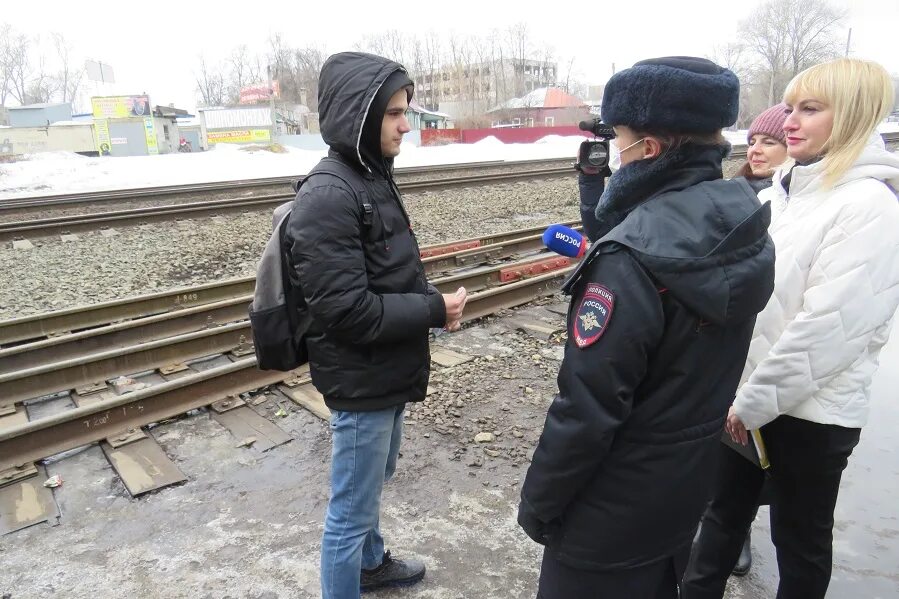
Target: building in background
x,y
249,124
39,115
192,131
421,118
46,127
594,99
543,107
467,91
127,126
62,136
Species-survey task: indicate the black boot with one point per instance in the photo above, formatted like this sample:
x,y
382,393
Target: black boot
x,y
744,562
391,573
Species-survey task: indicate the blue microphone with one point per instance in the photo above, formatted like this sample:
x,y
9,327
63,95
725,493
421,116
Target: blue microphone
x,y
565,241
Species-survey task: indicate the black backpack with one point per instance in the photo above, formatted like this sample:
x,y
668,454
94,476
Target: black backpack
x,y
279,316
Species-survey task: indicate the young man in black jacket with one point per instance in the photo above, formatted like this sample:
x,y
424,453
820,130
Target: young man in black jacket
x,y
662,312
355,258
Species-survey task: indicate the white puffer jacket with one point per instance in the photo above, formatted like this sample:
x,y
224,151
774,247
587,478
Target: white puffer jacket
x,y
816,344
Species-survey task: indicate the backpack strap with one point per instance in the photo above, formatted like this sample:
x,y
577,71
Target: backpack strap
x,y
331,166
293,303
337,168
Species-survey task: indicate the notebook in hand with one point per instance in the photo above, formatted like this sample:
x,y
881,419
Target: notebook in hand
x,y
754,451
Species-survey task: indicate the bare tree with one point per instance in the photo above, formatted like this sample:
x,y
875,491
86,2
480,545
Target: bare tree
x,y
297,71
788,36
6,38
811,34
475,72
210,83
42,86
735,56
308,63
245,69
433,58
416,58
499,68
68,76
18,65
568,81
395,44
547,77
519,47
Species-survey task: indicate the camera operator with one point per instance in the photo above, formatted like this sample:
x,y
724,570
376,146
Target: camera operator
x,y
596,160
661,316
591,182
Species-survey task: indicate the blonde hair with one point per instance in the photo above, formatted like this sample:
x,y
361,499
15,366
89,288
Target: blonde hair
x,y
860,93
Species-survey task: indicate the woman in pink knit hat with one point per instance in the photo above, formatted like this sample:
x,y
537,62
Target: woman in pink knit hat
x,y
766,151
767,147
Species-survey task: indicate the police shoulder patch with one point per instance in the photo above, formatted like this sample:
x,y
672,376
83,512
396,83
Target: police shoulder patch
x,y
593,315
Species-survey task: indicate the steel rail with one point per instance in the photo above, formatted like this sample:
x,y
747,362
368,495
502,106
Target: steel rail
x,y
465,252
138,216
78,368
48,436
61,348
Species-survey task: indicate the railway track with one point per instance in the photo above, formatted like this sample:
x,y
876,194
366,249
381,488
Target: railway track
x,y
241,189
62,225
167,332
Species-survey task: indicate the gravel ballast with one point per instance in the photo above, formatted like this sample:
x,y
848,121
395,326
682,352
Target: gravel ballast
x,y
54,275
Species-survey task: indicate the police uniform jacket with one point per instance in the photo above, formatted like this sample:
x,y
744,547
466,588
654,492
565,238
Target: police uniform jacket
x,y
662,311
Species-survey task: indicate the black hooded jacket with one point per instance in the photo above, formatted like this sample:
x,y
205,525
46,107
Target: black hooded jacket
x,y
359,267
662,312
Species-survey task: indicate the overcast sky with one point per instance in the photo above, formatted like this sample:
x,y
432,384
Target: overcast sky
x,y
154,47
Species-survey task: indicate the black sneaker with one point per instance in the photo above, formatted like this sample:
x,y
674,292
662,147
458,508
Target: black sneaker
x,y
392,573
744,562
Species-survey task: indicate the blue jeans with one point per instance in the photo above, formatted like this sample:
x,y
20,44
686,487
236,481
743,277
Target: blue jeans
x,y
365,448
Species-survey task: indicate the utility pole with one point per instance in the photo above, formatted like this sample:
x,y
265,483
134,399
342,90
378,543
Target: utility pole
x,y
848,41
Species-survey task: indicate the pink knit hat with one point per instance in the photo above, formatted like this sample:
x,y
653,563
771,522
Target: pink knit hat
x,y
770,123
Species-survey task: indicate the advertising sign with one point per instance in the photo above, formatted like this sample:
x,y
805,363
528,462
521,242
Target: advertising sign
x,y
243,136
258,92
104,143
120,107
150,129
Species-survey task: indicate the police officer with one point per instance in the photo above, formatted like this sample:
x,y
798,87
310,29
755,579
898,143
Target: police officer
x,y
662,309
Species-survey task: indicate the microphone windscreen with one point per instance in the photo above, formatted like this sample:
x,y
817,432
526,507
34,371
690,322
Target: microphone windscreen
x,y
565,241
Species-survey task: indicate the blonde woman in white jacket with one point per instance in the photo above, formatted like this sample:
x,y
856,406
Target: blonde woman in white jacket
x,y
815,347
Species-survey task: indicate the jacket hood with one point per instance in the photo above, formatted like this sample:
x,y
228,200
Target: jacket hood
x,y
708,246
875,162
348,85
703,239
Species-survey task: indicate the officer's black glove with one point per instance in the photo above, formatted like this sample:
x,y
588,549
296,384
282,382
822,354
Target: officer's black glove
x,y
592,171
538,531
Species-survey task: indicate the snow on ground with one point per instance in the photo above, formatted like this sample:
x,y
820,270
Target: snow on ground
x,y
64,172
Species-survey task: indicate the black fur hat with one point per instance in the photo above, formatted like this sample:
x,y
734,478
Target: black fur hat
x,y
674,94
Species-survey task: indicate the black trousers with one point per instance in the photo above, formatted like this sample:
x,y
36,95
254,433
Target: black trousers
x,y
655,581
807,463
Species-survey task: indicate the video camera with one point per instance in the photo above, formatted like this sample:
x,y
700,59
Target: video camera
x,y
594,155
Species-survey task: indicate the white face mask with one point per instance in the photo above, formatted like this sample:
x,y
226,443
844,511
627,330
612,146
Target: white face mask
x,y
614,158
615,154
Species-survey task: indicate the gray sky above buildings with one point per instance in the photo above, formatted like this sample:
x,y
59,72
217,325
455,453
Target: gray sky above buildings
x,y
154,48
